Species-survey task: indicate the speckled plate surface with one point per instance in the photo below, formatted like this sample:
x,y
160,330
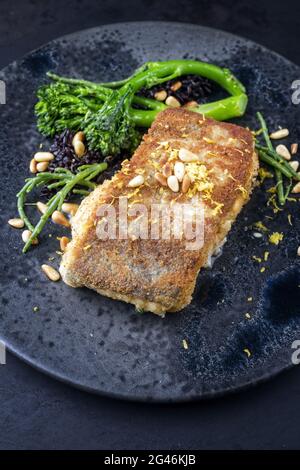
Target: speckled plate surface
x,y
102,345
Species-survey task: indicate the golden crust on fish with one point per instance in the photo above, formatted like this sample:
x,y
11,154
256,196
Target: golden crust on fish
x,y
159,275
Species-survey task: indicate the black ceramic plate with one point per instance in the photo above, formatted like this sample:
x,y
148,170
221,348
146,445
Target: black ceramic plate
x,y
102,345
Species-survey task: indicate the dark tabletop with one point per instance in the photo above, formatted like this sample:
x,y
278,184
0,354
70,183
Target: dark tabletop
x,y
37,412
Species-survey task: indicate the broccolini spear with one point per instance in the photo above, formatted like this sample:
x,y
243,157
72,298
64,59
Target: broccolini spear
x,y
105,112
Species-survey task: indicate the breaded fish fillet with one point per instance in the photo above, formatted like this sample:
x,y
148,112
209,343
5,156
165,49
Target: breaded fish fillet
x,y
159,275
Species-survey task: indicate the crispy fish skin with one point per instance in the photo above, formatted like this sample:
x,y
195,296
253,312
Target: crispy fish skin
x,y
160,275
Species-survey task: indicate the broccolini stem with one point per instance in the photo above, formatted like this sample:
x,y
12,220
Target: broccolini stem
x,y
220,110
86,83
159,72
148,103
120,83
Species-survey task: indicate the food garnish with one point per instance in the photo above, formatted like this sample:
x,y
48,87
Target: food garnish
x,y
276,238
50,272
247,351
16,223
294,148
280,134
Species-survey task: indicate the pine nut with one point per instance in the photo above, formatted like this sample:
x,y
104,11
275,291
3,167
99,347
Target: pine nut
x,y
179,170
32,166
161,179
187,156
59,218
160,95
296,188
16,223
294,149
79,148
298,251
280,134
137,181
43,157
42,207
63,242
79,136
26,234
167,170
50,272
69,208
295,165
172,102
176,86
173,183
283,151
191,104
185,183
42,166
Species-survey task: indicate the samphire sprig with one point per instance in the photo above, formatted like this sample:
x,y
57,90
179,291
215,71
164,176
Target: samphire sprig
x,y
78,183
268,155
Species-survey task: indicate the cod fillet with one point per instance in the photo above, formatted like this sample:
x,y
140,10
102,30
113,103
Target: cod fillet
x,y
159,275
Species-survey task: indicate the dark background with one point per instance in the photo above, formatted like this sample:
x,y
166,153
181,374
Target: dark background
x,y
37,412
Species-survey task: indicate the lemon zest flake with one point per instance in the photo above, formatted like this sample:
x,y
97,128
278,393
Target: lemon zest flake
x,y
260,226
247,351
263,174
276,238
272,202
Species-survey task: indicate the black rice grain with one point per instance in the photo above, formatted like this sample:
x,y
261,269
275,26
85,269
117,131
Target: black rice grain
x,y
193,88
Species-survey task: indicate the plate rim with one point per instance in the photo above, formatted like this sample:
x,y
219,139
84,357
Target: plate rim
x,y
150,22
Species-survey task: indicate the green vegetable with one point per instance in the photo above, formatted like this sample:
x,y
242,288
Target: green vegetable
x,y
282,165
275,164
107,112
278,171
60,177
